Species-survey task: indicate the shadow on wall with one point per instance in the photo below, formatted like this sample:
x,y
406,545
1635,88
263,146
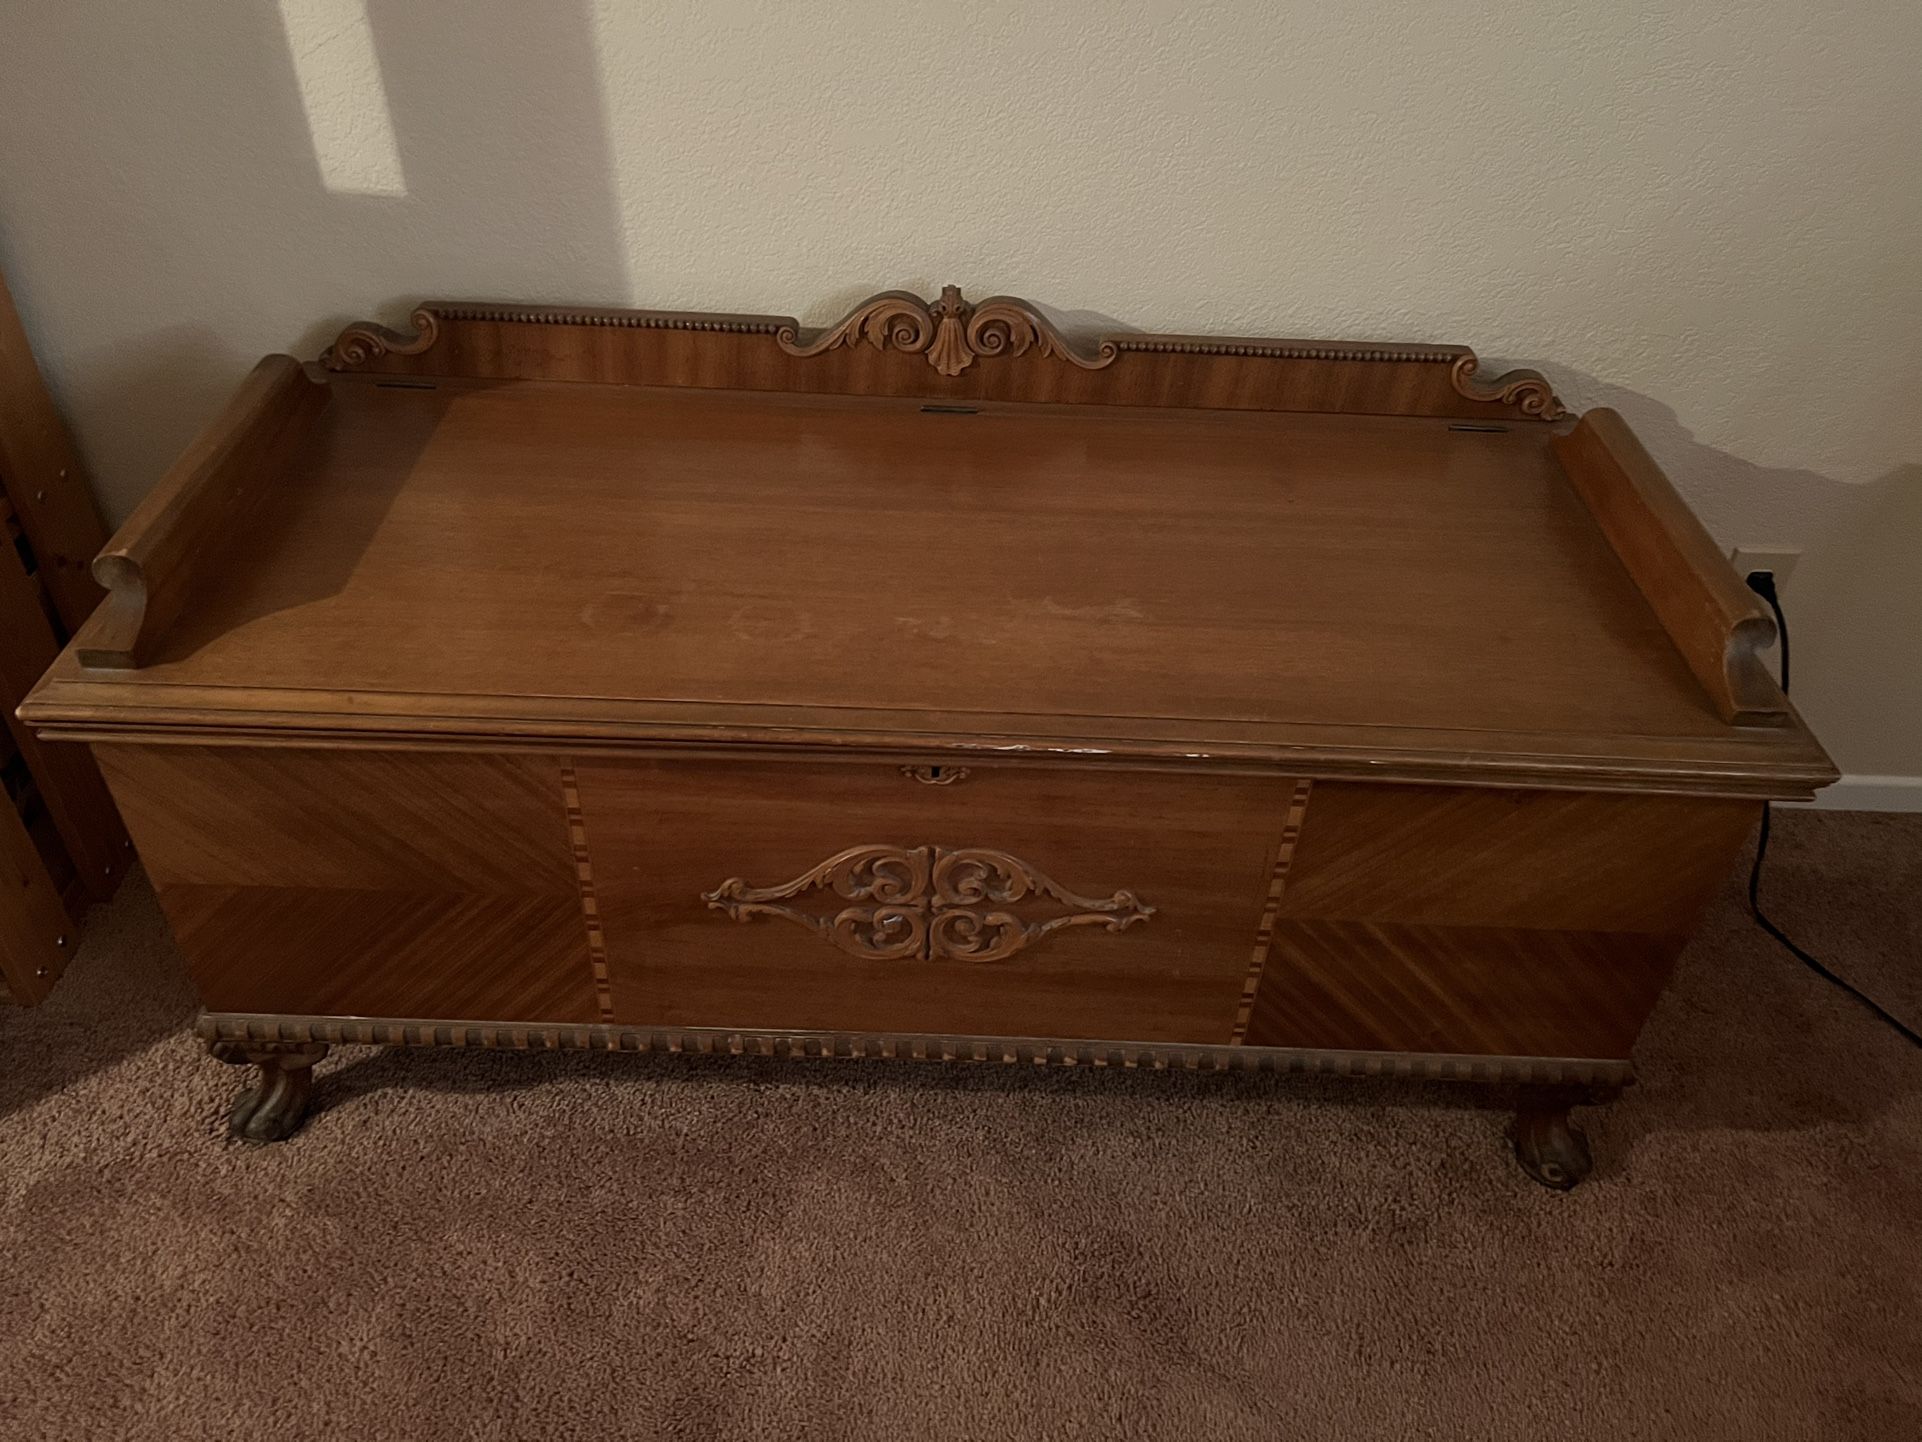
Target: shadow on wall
x,y
1854,600
396,149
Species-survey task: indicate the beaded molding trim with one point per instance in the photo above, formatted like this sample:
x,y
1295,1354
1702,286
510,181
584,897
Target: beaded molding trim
x,y
876,1046
951,332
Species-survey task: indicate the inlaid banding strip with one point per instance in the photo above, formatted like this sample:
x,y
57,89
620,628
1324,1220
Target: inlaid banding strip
x,y
1271,909
584,875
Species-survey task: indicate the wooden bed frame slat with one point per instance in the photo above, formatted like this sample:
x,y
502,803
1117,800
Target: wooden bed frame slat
x,y
43,477
61,841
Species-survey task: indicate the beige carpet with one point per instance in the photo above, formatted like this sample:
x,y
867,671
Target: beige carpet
x,y
509,1246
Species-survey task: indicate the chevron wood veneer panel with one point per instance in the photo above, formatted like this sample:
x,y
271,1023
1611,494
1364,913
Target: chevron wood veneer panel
x,y
1487,921
377,820
1495,991
330,951
1461,856
364,882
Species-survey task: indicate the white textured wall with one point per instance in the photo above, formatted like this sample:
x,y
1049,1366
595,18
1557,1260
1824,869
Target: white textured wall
x,y
1707,216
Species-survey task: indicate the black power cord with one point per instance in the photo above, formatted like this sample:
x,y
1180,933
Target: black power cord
x,y
1763,584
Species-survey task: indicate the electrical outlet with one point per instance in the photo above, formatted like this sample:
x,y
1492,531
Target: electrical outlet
x,y
1777,559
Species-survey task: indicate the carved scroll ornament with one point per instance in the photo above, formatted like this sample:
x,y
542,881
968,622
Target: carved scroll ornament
x,y
951,332
1528,391
927,903
360,343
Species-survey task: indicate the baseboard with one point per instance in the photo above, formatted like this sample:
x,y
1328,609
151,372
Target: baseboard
x,y
1870,793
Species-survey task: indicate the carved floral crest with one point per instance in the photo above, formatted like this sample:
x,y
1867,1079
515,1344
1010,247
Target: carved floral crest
x,y
950,331
928,903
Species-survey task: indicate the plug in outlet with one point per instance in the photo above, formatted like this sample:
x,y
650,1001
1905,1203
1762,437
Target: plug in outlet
x,y
1777,559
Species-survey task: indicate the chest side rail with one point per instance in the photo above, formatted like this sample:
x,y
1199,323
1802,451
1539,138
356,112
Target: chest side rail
x,y
200,505
1718,624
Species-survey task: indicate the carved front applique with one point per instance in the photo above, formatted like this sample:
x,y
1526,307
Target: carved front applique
x,y
928,903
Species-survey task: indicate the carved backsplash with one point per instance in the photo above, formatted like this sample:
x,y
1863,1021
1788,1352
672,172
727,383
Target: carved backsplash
x,y
485,341
927,903
950,332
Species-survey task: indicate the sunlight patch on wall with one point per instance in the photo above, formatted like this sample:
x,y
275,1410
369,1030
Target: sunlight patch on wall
x,y
332,45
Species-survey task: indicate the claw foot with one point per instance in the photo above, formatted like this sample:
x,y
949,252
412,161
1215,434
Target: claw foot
x,y
273,1109
1550,1147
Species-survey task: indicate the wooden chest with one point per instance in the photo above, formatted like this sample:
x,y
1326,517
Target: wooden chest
x,y
932,685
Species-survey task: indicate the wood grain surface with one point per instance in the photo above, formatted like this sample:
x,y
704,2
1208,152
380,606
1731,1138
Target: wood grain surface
x,y
1338,916
842,559
811,552
665,834
328,881
541,525
1720,626
1419,918
198,513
